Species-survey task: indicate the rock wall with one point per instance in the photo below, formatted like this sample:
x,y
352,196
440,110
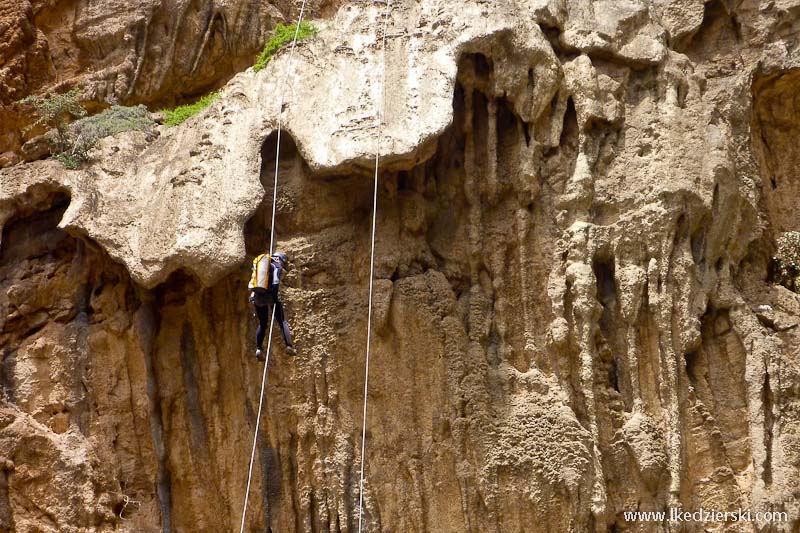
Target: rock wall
x,y
157,53
574,316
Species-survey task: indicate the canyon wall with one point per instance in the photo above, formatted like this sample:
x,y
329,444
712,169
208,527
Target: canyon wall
x,y
119,52
574,314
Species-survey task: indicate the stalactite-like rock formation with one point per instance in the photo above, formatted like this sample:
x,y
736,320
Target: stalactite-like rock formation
x,y
574,317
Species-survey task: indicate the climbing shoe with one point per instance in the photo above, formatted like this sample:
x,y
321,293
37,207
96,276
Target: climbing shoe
x,y
290,350
260,355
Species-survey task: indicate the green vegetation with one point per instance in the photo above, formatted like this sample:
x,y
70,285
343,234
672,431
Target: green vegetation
x,y
84,133
114,120
184,112
283,34
56,111
787,261
74,141
68,160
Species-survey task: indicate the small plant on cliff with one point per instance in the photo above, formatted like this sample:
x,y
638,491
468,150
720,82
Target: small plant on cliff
x,y
283,34
184,112
69,161
75,140
86,132
56,111
113,120
787,261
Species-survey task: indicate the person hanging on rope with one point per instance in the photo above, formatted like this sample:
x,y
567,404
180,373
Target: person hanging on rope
x,y
264,282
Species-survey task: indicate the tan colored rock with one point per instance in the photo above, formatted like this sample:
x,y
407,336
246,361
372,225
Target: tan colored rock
x,y
115,51
8,159
680,18
574,239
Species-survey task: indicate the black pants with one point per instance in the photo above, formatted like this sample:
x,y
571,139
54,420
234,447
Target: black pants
x,y
263,322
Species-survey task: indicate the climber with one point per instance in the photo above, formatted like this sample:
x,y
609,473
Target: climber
x,y
267,273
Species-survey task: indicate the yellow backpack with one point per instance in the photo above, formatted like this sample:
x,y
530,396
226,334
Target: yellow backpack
x,y
261,278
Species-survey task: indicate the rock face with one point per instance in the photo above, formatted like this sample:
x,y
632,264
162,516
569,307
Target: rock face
x,y
153,52
577,207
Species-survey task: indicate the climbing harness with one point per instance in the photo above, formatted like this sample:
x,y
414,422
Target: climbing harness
x,y
379,119
271,243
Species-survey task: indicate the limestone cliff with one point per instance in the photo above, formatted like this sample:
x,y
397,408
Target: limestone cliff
x,y
578,205
120,51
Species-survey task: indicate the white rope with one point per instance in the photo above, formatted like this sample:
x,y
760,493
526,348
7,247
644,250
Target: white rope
x,y
271,242
258,421
280,125
372,264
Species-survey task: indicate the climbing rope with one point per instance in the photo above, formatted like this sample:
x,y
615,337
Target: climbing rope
x,y
379,125
280,127
271,243
258,420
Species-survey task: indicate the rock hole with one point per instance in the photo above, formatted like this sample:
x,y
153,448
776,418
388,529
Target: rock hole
x,y
257,229
777,111
175,289
34,234
7,368
718,37
509,127
552,34
691,359
613,375
606,292
119,508
569,133
698,242
483,66
83,297
606,285
402,180
683,91
737,27
480,130
681,230
269,150
715,197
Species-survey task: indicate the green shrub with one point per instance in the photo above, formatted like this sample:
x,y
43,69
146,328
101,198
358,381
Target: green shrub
x,y
283,34
69,161
184,112
75,140
116,119
56,111
787,261
84,133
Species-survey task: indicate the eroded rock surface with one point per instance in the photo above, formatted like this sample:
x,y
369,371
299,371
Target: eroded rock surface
x,y
577,208
154,52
